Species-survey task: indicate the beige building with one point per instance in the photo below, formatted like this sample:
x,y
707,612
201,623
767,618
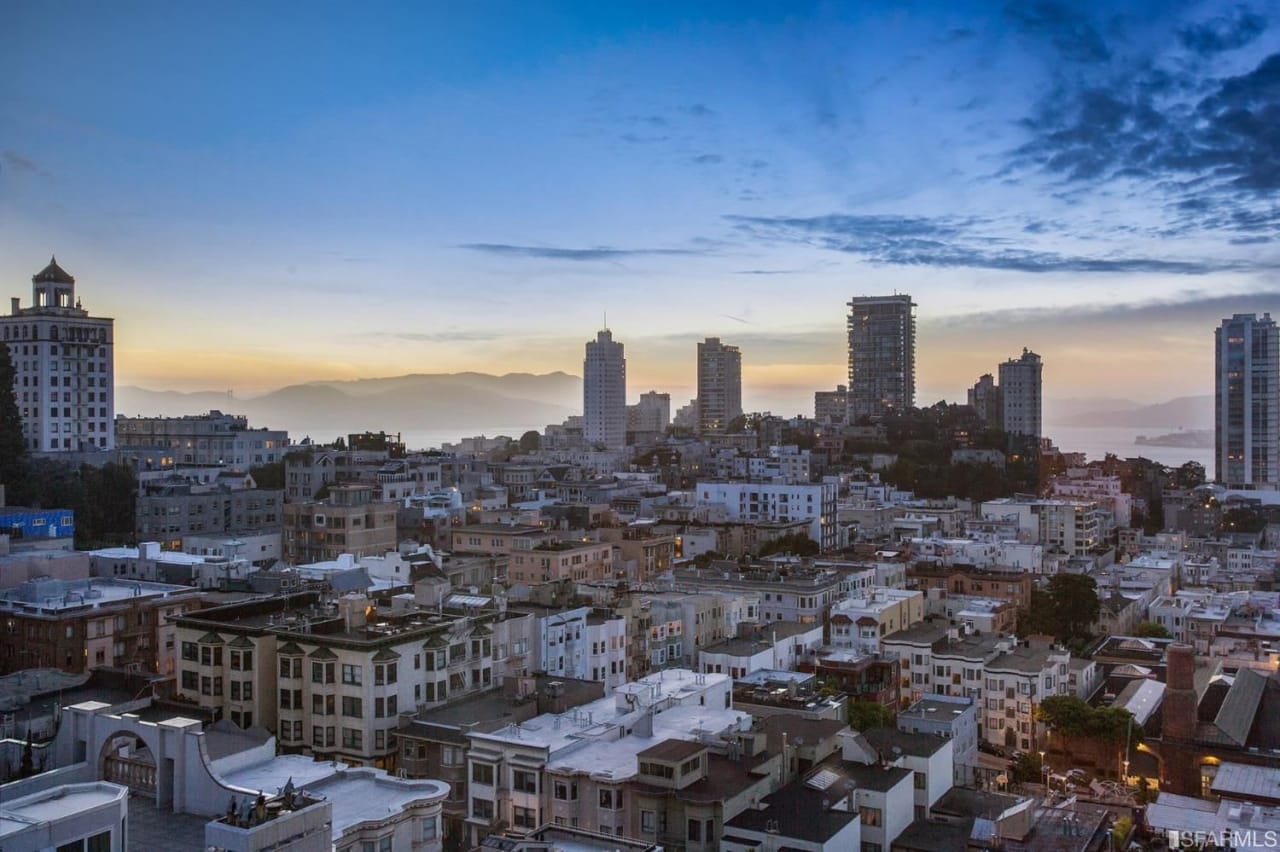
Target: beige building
x,y
549,561
348,521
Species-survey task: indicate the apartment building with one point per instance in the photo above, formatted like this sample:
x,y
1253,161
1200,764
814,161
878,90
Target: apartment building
x,y
574,766
882,356
349,520
1074,527
550,561
330,678
215,438
952,718
859,623
780,646
1013,684
1002,584
804,593
770,502
173,509
78,625
63,367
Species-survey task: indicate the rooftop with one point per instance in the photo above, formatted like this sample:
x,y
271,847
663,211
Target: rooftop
x,y
45,596
937,708
890,743
796,811
19,815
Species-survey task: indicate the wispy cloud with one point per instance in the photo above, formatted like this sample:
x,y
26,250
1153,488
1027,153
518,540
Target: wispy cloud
x,y
20,163
595,253
1196,307
951,242
1229,31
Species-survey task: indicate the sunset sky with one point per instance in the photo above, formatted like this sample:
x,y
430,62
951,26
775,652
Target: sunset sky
x,y
262,194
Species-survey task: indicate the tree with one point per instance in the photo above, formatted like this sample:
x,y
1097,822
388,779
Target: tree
x,y
797,544
269,476
1076,605
864,715
1152,630
13,448
530,441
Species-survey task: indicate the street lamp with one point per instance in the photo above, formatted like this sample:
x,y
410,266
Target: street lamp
x,y
1044,769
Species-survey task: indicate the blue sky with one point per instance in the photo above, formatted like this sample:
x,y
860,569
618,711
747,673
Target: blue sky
x,y
269,193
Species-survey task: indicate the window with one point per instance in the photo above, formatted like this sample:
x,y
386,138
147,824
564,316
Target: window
x,y
290,667
190,680
695,830
921,780
524,817
565,791
352,738
610,799
350,674
482,808
384,845
452,756
322,705
322,672
189,649
523,781
482,773
384,708
384,674
352,707
648,822
871,816
429,828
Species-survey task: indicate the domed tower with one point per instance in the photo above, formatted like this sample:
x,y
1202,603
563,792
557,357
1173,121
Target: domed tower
x,y
64,367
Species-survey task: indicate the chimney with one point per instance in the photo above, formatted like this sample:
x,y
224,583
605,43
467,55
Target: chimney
x,y
1180,700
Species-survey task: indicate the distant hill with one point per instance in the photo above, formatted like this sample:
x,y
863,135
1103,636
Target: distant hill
x,y
1189,412
467,402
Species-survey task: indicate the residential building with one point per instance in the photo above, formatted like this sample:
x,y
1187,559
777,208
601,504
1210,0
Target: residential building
x,y
1247,402
349,520
1020,397
1014,683
205,439
779,646
719,386
954,718
37,530
931,760
63,367
67,818
882,356
604,393
984,398
803,593
859,623
1073,527
770,502
172,509
148,562
652,414
831,408
77,625
330,678
550,561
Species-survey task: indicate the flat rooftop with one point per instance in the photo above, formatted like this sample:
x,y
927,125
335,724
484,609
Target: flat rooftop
x,y
172,557
19,815
363,795
44,596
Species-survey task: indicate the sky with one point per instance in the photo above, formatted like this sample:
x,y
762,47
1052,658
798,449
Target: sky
x,y
269,193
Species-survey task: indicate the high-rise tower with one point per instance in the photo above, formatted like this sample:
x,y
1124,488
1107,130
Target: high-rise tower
x,y
1247,402
882,355
1020,400
604,392
719,386
64,368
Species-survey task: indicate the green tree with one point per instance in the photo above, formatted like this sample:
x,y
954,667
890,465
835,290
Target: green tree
x,y
530,441
13,448
1076,604
864,715
269,476
797,544
1152,630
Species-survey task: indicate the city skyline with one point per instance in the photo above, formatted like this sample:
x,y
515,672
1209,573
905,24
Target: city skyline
x,y
469,189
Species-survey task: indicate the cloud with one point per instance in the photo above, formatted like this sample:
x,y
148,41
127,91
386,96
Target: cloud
x,y
1191,307
19,163
950,242
1205,151
597,253
1225,32
708,159
698,110
1070,32
446,336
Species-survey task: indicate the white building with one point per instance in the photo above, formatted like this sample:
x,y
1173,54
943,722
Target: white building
x,y
778,646
63,365
91,816
778,502
1074,527
604,393
1020,400
859,623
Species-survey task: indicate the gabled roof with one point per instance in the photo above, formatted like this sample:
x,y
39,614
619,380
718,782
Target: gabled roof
x,y
52,274
240,642
384,655
1235,718
322,654
289,649
211,639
